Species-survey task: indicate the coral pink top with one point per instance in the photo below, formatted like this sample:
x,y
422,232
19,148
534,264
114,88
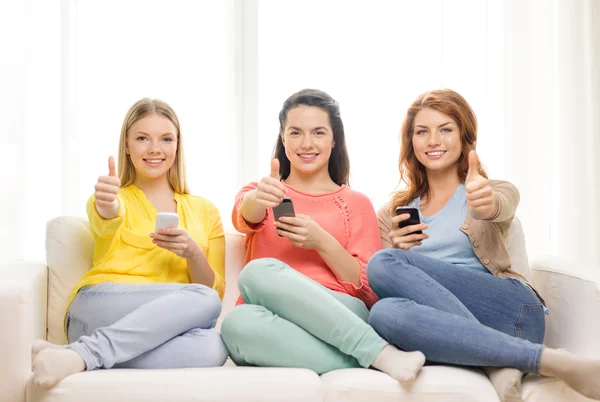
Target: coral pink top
x,y
346,214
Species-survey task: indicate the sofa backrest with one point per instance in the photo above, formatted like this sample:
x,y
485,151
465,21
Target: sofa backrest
x,y
69,249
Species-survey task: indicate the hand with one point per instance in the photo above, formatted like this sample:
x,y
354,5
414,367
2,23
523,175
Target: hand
x,y
481,200
178,241
107,188
302,231
402,238
270,191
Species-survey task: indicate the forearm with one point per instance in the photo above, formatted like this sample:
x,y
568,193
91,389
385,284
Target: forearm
x,y
200,270
250,209
345,267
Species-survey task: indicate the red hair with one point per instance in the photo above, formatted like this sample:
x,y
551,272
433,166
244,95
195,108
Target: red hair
x,y
412,172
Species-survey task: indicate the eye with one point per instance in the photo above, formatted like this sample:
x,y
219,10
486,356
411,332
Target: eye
x,y
421,132
446,130
320,133
141,138
293,133
168,139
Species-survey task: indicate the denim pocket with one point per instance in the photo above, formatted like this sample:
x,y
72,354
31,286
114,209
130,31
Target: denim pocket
x,y
76,327
531,324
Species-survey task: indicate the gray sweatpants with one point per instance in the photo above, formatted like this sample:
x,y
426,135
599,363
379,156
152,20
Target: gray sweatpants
x,y
152,326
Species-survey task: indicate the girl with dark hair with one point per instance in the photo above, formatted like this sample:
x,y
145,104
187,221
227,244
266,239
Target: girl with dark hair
x,y
450,291
304,286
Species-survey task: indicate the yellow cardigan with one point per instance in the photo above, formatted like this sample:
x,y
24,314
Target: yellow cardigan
x,y
124,250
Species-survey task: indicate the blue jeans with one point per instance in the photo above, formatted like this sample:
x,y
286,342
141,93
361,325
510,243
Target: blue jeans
x,y
455,315
152,326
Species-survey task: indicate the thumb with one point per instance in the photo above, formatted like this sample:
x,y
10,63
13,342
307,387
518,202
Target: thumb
x,y
112,171
275,169
473,161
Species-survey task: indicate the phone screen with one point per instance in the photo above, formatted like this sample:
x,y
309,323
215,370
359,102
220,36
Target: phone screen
x,y
413,220
286,208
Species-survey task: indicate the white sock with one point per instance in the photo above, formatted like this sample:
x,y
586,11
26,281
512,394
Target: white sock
x,y
52,365
402,366
39,345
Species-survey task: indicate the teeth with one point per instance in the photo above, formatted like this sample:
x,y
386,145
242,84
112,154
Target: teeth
x,y
154,160
436,153
308,155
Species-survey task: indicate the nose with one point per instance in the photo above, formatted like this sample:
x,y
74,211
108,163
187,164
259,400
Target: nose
x,y
307,141
434,138
155,146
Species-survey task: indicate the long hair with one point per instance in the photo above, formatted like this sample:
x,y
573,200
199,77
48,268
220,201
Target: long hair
x,y
142,108
339,162
412,172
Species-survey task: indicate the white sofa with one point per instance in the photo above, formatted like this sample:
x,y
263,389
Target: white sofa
x,y
33,297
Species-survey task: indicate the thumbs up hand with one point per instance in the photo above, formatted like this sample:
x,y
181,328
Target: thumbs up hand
x,y
107,189
270,191
481,201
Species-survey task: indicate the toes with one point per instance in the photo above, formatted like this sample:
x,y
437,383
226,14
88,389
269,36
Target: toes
x,y
43,382
407,380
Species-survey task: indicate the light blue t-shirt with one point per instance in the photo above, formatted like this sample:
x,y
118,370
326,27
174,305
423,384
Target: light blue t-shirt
x,y
446,241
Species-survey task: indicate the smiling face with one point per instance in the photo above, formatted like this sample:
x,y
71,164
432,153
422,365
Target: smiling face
x,y
308,140
436,140
152,146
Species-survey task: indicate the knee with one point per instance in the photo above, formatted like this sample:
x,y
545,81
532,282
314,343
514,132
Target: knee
x,y
391,316
241,323
379,266
257,271
204,299
217,352
208,351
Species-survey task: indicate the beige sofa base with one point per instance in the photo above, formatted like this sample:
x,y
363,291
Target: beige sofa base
x,y
34,296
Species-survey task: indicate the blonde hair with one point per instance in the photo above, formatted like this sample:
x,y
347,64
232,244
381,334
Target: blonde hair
x,y
140,109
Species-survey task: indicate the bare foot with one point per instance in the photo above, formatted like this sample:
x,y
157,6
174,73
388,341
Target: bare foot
x,y
580,373
39,345
402,366
52,365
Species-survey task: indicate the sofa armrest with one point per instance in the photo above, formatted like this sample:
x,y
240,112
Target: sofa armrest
x,y
23,289
572,293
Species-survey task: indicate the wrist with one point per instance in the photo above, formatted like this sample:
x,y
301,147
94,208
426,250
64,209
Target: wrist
x,y
108,212
196,255
496,209
326,243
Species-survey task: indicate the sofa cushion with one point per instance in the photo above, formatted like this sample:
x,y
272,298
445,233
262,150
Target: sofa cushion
x,y
69,249
434,383
517,251
222,384
234,262
545,389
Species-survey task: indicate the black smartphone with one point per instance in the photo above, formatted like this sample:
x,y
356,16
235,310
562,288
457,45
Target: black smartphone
x,y
413,220
286,208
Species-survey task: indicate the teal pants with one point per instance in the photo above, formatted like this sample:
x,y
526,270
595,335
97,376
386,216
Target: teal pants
x,y
290,320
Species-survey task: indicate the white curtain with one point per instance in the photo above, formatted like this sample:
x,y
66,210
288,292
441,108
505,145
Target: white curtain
x,y
552,135
69,70
30,114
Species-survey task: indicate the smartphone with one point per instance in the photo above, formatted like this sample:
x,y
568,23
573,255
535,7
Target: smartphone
x,y
413,220
166,220
286,208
